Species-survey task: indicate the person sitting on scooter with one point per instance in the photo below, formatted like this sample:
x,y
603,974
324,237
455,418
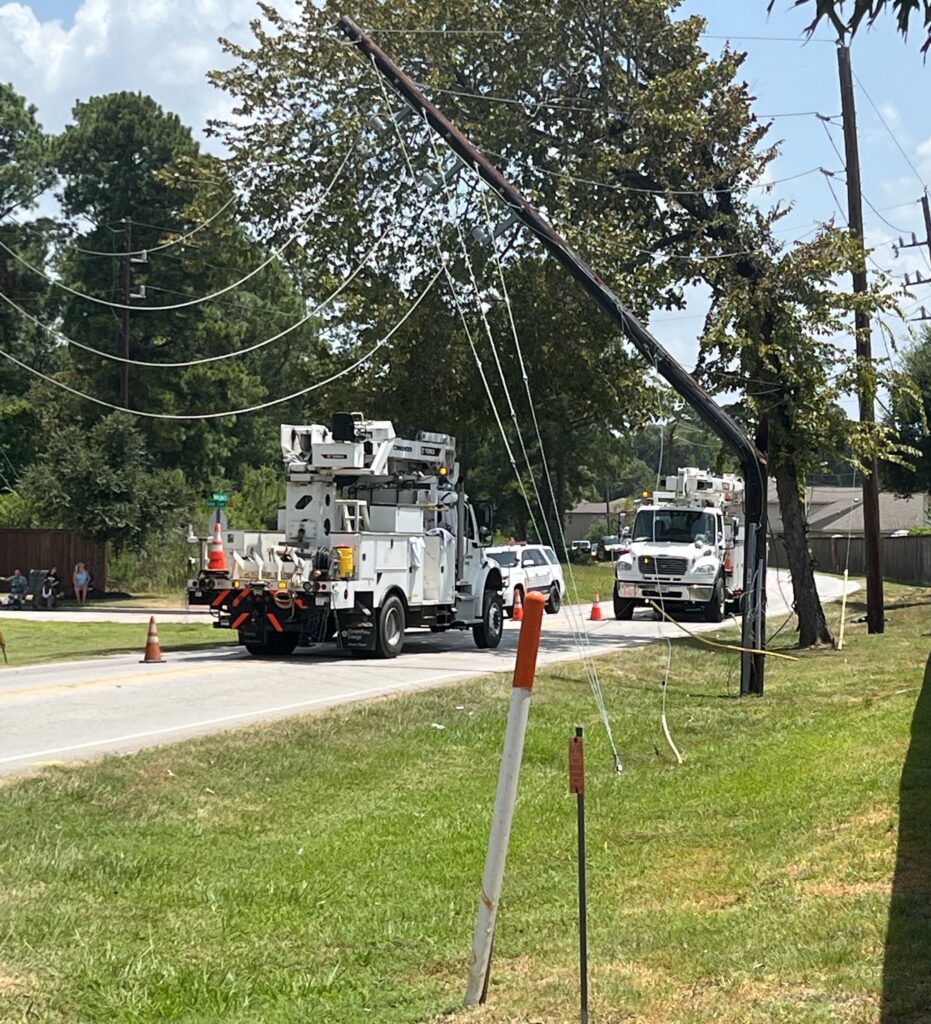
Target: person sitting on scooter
x,y
50,591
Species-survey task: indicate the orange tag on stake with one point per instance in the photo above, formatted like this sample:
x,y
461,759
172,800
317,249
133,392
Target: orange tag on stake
x,y
576,765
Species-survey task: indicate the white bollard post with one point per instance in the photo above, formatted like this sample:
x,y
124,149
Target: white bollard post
x,y
527,646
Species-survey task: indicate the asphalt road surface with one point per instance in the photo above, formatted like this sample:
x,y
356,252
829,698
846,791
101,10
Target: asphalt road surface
x,y
74,711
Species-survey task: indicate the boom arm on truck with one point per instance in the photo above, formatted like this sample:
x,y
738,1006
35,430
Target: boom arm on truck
x,y
376,536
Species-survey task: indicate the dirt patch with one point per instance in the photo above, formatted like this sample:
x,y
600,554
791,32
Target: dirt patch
x,y
17,984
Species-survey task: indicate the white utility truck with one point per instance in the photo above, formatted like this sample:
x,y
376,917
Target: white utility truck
x,y
375,537
686,547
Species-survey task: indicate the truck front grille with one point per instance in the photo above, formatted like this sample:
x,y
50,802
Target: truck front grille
x,y
664,565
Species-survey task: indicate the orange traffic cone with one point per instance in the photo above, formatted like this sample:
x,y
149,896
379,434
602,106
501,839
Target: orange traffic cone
x,y
596,615
216,557
517,614
153,649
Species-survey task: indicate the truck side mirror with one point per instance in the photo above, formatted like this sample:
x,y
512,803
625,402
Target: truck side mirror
x,y
485,514
735,527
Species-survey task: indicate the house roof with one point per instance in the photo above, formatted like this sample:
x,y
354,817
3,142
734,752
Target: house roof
x,y
840,510
596,508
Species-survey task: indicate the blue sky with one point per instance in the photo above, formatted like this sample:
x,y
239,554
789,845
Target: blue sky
x,y
55,51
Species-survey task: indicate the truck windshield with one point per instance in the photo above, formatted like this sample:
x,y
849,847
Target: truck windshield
x,y
505,559
674,525
610,540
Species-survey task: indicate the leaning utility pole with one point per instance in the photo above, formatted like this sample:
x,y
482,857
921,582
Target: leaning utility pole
x,y
126,282
752,461
875,615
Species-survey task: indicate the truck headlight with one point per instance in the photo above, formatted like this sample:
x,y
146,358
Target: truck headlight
x,y
706,569
625,565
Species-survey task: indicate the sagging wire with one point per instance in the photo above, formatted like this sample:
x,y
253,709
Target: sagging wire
x,y
59,336
181,240
232,412
467,259
453,289
718,644
276,254
580,636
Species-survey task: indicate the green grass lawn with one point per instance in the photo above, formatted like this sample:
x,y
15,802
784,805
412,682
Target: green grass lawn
x,y
589,578
44,639
326,869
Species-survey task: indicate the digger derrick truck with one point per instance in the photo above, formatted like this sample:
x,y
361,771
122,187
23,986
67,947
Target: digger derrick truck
x,y
376,536
686,548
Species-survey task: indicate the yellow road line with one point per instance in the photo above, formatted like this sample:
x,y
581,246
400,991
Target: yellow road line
x,y
50,689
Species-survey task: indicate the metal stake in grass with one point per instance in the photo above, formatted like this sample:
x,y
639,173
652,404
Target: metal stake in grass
x,y
505,798
577,786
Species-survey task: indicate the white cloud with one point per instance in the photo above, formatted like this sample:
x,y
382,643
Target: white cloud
x,y
160,47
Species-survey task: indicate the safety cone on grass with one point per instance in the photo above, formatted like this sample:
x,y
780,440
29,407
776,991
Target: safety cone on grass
x,y
596,615
216,557
518,612
153,649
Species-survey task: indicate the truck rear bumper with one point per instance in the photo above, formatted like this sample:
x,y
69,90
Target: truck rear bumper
x,y
654,590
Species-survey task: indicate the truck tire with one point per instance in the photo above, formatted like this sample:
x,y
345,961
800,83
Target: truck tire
x,y
554,600
487,633
714,609
392,621
277,645
623,607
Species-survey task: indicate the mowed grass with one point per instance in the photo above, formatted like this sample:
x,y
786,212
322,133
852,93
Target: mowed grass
x,y
589,578
44,639
326,868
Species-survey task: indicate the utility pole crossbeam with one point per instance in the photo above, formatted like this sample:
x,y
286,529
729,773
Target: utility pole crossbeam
x,y
875,616
752,461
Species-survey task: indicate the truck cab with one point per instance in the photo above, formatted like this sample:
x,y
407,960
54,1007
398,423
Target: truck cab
x,y
686,549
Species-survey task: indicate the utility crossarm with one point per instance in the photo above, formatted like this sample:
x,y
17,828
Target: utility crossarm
x,y
752,461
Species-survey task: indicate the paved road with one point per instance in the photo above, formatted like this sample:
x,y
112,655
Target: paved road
x,y
81,709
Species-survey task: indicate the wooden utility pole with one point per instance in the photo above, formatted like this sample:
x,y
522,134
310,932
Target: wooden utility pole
x,y
752,461
875,617
126,282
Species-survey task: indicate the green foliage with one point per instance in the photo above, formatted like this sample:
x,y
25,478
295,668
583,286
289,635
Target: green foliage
x,y
254,506
100,481
909,420
646,105
324,868
25,172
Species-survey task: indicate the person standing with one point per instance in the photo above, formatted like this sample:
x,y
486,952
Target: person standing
x,y
81,581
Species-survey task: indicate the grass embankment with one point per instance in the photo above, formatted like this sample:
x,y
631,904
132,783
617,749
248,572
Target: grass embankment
x,y
589,578
326,868
29,642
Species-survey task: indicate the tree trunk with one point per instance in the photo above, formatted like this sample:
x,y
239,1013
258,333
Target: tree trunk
x,y
812,626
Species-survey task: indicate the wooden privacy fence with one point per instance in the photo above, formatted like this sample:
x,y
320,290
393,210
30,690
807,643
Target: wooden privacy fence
x,y
41,549
904,559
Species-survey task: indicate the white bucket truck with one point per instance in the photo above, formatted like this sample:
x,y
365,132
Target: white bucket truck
x,y
375,537
686,547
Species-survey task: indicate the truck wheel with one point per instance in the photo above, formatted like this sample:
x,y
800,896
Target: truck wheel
x,y
554,601
389,638
623,607
517,590
487,633
714,609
